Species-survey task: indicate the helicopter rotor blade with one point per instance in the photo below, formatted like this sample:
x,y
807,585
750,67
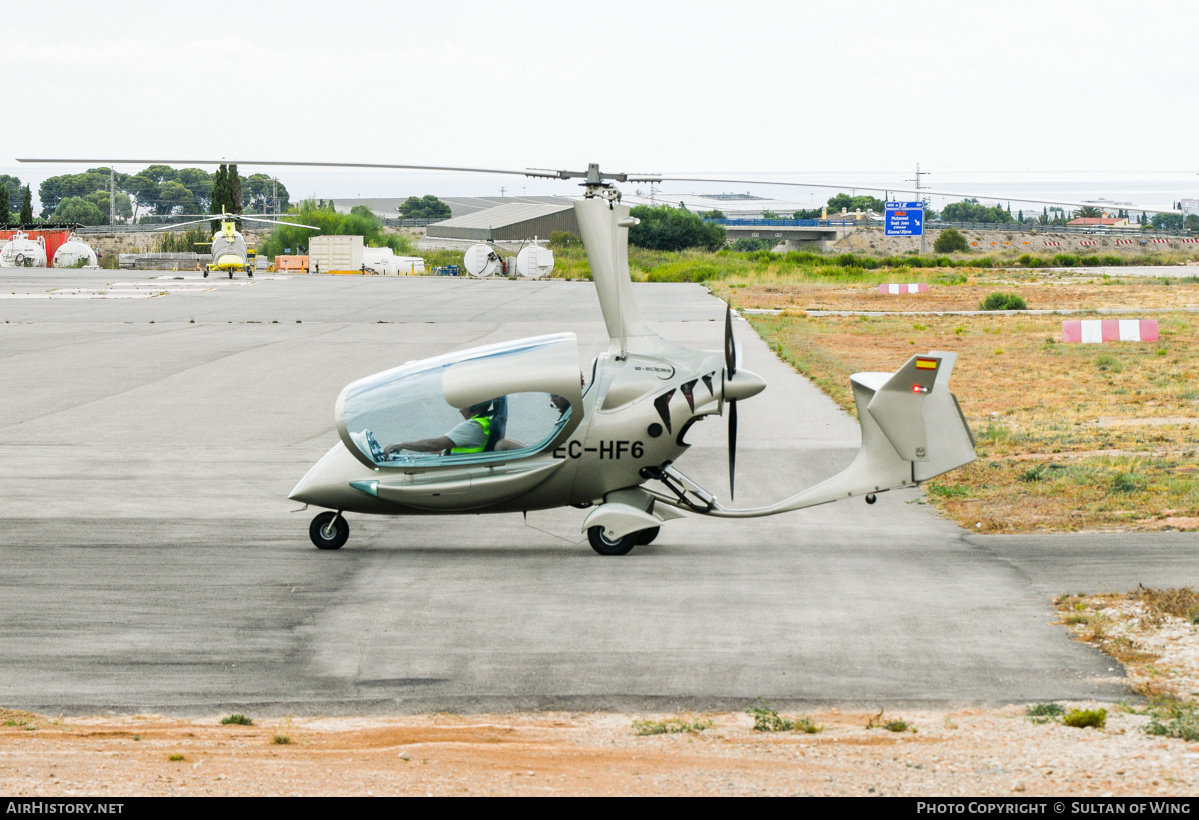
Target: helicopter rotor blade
x,y
592,174
243,217
189,222
232,218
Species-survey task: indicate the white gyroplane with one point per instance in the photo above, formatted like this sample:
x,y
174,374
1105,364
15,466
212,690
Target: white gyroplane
x,y
523,433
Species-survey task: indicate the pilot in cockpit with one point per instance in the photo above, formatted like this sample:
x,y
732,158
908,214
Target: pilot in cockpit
x,y
481,430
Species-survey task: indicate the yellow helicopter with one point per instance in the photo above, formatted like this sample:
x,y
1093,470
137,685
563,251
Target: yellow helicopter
x,y
230,253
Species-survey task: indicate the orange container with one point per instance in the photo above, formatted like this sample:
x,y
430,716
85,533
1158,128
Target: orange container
x,y
292,263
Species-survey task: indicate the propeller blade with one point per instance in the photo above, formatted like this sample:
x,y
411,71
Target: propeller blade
x,y
732,445
730,346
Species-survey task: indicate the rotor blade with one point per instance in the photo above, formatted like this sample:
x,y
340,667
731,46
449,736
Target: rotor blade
x,y
528,172
730,351
271,221
917,191
732,445
232,218
276,162
189,222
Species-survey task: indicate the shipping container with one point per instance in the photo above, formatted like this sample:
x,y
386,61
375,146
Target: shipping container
x,y
329,254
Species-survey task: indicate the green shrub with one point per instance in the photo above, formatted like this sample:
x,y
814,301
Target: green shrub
x,y
750,244
1127,483
560,240
950,240
1085,718
1033,474
237,720
1003,301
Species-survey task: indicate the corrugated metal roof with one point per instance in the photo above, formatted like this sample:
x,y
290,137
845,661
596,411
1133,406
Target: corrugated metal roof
x,y
503,215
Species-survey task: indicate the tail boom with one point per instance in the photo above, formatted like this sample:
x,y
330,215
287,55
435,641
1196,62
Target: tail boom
x,y
912,430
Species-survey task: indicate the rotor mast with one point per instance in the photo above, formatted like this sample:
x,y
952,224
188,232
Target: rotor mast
x,y
604,224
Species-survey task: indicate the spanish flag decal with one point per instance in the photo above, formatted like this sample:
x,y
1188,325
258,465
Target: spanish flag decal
x,y
926,364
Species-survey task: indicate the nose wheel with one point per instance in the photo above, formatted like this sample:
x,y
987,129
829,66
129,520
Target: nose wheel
x,y
329,531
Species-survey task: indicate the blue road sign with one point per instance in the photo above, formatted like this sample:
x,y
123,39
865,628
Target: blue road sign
x,y
904,219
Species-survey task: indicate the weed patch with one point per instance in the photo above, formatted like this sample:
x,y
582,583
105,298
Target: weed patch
x,y
670,726
1044,712
1172,718
892,725
768,720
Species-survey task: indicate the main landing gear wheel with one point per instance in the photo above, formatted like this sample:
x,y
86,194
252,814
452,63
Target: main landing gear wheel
x,y
205,274
329,531
647,536
604,546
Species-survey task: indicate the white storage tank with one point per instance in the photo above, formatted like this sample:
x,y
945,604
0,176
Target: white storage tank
x,y
23,252
380,260
410,265
74,251
534,262
480,261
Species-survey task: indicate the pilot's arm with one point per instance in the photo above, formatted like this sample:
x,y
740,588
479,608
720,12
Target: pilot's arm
x,y
424,445
467,434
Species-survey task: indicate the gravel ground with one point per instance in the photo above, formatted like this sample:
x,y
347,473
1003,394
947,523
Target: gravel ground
x,y
938,752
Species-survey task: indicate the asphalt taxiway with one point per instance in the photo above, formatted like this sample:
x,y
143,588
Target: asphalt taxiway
x,y
152,424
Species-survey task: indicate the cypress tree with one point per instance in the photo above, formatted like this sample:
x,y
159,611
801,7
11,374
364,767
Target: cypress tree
x,y
4,203
233,181
219,186
27,207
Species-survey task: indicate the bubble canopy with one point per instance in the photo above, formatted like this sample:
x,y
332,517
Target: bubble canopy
x,y
523,397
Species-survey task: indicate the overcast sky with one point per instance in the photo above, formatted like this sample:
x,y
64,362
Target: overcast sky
x,y
1012,89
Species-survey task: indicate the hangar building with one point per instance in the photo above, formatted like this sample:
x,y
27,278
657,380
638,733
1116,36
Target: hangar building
x,y
512,222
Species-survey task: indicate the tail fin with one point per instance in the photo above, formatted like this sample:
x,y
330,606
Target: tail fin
x,y
917,414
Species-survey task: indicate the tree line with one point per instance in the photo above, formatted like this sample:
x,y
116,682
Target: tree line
x,y
154,193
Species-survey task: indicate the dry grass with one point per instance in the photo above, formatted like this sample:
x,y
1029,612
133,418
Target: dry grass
x,y
1177,603
1069,436
964,289
1151,631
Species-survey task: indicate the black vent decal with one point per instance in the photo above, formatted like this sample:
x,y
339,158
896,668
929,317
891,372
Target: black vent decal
x,y
687,394
662,404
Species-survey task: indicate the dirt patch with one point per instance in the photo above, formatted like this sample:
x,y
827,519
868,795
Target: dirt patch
x,y
996,752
